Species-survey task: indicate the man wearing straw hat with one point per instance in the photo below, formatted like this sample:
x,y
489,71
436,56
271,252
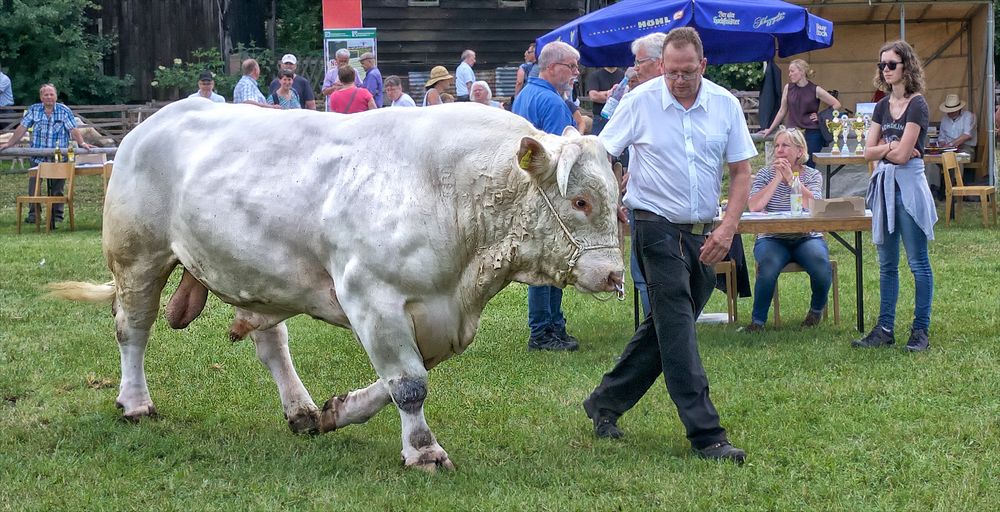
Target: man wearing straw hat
x,y
958,126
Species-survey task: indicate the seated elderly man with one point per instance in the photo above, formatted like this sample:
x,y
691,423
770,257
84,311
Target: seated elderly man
x,y
481,93
958,126
394,93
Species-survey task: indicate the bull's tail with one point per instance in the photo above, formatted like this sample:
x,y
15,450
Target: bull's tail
x,y
79,291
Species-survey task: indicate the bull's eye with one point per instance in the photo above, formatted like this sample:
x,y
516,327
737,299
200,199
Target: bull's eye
x,y
580,204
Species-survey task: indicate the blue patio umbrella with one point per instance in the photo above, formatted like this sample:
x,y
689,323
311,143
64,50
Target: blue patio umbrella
x,y
731,30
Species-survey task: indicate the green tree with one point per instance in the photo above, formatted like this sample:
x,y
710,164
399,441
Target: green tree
x,y
53,41
300,27
742,77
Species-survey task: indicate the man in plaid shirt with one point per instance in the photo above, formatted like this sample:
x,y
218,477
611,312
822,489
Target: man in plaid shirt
x,y
246,90
52,125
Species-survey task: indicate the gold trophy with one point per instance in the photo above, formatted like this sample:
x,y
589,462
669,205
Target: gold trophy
x,y
845,125
858,125
834,126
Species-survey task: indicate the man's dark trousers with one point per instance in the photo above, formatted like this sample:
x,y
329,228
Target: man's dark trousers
x,y
55,188
679,286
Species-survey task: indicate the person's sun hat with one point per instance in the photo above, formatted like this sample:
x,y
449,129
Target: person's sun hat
x,y
438,73
951,104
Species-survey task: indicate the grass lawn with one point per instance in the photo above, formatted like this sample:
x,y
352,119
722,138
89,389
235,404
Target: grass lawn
x,y
825,427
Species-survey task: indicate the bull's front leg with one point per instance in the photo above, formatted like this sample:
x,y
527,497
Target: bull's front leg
x,y
389,341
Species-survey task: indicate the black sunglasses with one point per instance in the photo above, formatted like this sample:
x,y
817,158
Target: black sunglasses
x,y
891,65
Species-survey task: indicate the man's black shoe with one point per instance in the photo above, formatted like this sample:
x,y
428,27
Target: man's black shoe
x,y
549,342
563,335
878,337
722,451
605,426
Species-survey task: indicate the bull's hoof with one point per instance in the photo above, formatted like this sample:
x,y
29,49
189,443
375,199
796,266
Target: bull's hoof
x,y
305,422
328,418
134,414
428,459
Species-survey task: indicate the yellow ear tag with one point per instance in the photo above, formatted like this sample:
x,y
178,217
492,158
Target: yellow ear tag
x,y
525,160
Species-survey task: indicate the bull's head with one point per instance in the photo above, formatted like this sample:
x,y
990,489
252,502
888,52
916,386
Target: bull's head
x,y
578,203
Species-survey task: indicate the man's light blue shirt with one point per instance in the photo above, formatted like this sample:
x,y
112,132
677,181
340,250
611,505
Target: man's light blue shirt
x,y
247,90
215,97
540,104
463,75
6,91
677,156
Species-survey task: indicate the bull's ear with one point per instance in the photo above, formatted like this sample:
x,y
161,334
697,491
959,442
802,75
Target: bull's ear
x,y
567,159
570,131
533,158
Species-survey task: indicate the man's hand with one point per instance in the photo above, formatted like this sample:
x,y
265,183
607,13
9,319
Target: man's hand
x,y
623,215
624,183
716,246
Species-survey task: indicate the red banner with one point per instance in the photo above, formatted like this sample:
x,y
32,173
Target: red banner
x,y
341,14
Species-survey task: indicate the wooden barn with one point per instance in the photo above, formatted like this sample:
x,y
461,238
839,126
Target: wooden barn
x,y
413,35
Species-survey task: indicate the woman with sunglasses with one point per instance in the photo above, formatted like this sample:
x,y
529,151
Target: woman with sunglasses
x,y
800,101
898,194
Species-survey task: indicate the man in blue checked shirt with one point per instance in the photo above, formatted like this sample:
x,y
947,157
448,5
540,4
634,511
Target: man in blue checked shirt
x,y
52,125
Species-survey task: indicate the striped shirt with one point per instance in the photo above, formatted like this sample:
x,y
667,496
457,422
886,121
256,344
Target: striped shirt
x,y
781,199
48,131
247,90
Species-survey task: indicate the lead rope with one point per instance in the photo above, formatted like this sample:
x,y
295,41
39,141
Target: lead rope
x,y
577,248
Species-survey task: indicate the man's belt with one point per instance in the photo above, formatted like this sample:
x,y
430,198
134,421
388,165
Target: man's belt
x,y
701,228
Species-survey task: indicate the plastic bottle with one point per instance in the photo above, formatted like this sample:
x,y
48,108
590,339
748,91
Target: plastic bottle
x,y
614,98
795,198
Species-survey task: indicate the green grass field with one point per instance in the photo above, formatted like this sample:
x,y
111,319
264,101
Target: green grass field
x,y
825,427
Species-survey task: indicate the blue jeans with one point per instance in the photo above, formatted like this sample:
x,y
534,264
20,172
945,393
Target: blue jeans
x,y
545,309
772,254
637,279
915,242
814,144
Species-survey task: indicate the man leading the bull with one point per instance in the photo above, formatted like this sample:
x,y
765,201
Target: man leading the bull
x,y
541,103
681,127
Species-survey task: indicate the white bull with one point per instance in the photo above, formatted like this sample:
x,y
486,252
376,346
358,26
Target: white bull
x,y
399,224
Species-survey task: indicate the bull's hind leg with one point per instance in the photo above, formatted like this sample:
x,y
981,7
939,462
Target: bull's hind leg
x,y
272,350
358,406
136,305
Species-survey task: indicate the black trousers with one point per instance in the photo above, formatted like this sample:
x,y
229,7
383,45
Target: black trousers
x,y
679,286
55,188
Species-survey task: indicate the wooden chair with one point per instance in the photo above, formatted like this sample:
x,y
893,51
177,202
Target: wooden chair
x,y
49,171
728,268
985,193
795,267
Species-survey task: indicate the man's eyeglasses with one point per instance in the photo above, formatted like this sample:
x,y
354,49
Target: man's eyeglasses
x,y
687,77
640,61
572,67
891,65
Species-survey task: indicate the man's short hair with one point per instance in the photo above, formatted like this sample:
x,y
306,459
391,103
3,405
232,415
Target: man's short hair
x,y
346,75
652,43
683,36
367,55
342,53
554,52
467,53
47,84
392,81
249,66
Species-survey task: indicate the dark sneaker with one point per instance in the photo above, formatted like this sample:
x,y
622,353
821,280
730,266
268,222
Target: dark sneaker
x,y
605,426
918,341
564,336
549,342
812,319
753,328
879,337
722,451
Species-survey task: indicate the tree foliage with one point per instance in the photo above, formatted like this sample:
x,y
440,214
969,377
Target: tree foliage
x,y
183,75
742,77
54,41
300,27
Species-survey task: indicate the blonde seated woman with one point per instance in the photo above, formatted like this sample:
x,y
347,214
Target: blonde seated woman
x,y
770,192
